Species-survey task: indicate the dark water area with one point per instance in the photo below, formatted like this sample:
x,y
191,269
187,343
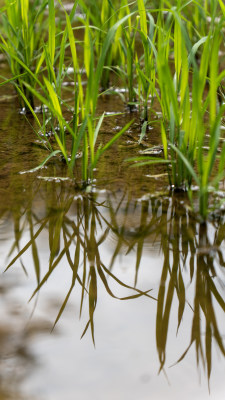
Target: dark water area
x,y
125,264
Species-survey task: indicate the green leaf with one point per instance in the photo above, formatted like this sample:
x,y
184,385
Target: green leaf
x,y
14,78
53,154
98,127
51,37
222,7
186,163
143,131
164,140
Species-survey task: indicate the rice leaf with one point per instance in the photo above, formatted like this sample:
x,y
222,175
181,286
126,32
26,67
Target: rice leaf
x,y
51,39
53,154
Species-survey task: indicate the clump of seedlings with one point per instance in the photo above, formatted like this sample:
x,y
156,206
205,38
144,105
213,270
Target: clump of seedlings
x,y
168,54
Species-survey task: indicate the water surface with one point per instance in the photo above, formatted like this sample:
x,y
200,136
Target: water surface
x,y
124,263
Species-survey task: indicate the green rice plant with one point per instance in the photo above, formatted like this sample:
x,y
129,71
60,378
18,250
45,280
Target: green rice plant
x,y
209,171
104,16
176,114
49,93
21,39
196,15
57,73
185,112
126,70
185,131
83,129
91,97
146,74
222,6
94,74
90,155
59,131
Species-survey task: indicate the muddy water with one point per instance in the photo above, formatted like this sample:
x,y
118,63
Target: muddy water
x,y
124,264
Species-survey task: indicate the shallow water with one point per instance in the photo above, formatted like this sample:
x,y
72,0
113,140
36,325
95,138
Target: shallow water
x,y
127,251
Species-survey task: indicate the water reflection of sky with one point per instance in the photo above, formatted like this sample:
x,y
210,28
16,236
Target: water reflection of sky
x,y
124,364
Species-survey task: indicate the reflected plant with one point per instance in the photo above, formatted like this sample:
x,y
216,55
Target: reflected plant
x,y
188,251
76,239
190,260
207,294
131,241
193,261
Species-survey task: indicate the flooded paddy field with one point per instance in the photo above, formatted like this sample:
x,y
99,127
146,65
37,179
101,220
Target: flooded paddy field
x,y
150,278
112,222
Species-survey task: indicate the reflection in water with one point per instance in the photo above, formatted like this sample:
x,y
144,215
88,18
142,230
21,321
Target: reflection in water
x,y
192,274
191,258
17,358
188,250
78,238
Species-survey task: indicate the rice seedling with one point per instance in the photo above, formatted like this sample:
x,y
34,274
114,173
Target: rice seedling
x,y
83,128
103,17
170,55
126,71
197,16
205,158
21,39
169,67
146,76
92,92
185,109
